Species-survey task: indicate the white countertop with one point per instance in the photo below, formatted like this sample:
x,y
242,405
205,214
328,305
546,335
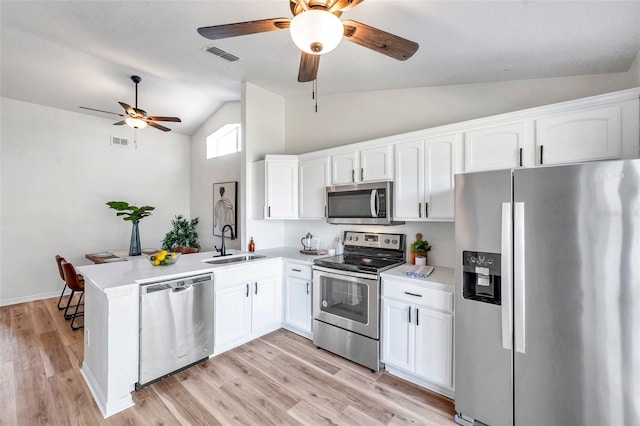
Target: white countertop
x,y
139,270
441,277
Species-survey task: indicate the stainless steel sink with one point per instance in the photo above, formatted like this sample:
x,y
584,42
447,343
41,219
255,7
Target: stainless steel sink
x,y
225,260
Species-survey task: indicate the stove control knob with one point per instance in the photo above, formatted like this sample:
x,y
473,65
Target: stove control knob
x,y
350,238
356,238
395,241
386,241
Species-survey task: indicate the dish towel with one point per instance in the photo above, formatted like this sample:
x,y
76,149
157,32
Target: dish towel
x,y
419,271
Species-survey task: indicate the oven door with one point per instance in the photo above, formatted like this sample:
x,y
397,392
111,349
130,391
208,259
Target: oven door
x,y
349,300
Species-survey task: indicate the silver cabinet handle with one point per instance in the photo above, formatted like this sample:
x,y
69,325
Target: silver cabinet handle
x,y
353,175
417,316
247,289
541,153
426,209
409,314
296,270
269,213
362,174
256,287
413,294
419,209
307,287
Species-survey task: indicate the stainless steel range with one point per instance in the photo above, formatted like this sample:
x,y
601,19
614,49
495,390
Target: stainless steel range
x,y
346,295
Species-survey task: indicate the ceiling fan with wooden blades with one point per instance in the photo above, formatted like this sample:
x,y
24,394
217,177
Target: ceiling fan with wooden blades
x,y
316,29
136,117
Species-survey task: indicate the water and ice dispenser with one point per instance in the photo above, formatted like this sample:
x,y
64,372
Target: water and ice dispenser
x,y
481,276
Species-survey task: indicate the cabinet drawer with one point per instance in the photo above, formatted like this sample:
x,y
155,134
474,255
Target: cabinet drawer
x,y
431,298
298,270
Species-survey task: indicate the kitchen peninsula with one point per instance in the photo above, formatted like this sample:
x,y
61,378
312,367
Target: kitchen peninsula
x,y
111,340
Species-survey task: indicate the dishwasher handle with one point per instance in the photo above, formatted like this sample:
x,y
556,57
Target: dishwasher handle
x,y
176,286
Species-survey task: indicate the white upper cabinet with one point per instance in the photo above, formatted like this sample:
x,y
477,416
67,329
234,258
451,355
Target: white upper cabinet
x,y
496,147
343,168
424,178
375,164
281,186
598,128
588,134
367,165
312,183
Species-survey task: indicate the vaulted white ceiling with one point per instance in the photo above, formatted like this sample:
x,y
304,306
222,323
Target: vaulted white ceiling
x,y
67,54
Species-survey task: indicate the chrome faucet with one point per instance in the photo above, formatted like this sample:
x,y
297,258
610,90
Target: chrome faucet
x,y
223,250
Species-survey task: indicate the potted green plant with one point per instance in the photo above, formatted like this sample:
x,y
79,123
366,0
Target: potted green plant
x,y
419,247
133,214
183,233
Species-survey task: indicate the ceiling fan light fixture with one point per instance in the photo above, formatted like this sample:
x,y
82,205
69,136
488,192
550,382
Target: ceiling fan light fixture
x,y
136,123
316,31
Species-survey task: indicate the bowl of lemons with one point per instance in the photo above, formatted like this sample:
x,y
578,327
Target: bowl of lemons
x,y
164,258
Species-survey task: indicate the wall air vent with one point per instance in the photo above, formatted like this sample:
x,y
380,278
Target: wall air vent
x,y
116,141
221,53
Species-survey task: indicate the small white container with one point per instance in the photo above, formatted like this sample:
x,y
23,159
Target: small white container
x,y
331,252
421,260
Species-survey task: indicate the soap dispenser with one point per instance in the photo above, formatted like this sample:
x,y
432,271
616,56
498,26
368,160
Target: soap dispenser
x,y
339,247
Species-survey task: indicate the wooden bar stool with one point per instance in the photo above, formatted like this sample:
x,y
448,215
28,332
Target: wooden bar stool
x,y
75,282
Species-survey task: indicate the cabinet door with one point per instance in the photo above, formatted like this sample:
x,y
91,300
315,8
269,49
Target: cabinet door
x,y
434,346
298,303
232,314
282,189
343,168
375,164
312,184
408,188
439,181
592,134
397,334
495,147
266,309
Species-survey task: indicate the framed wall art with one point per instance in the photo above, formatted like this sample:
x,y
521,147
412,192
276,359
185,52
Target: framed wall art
x,y
225,212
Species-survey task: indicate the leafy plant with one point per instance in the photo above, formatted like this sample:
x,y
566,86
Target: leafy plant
x,y
420,246
130,212
183,233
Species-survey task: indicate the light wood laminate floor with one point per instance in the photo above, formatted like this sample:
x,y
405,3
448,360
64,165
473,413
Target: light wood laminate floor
x,y
279,379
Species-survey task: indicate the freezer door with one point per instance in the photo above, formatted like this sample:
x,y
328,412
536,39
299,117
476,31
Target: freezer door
x,y
577,294
482,363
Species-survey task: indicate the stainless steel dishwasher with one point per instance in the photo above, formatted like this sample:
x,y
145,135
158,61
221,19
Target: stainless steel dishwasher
x,y
176,325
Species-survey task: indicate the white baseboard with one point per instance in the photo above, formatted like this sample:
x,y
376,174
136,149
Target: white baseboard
x,y
15,301
420,382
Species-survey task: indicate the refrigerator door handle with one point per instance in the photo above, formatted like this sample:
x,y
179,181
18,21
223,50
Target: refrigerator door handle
x,y
506,282
519,276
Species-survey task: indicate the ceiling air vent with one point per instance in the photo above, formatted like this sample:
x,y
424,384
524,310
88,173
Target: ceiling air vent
x,y
223,54
116,141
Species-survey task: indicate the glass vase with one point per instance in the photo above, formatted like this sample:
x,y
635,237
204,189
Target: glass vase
x,y
134,247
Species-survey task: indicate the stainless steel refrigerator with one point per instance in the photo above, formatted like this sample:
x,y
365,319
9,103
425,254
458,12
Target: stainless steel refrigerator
x,y
547,327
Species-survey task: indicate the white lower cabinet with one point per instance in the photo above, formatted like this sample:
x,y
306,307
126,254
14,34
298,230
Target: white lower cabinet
x,y
417,334
297,304
246,306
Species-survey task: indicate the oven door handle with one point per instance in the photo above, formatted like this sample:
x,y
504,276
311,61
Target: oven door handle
x,y
374,203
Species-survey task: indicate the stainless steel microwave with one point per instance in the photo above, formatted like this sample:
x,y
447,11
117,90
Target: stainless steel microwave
x,y
361,204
